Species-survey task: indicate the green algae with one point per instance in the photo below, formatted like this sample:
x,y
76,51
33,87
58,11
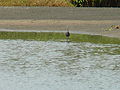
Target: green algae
x,y
54,36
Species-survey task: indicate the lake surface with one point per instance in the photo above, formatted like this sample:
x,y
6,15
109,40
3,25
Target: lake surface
x,y
40,65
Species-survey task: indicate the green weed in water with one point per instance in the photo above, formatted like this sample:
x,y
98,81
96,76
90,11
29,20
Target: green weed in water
x,y
46,36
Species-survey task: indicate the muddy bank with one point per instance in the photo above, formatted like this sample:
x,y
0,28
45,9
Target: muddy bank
x,y
94,27
77,20
58,13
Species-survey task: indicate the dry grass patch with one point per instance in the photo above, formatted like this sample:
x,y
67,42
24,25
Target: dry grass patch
x,y
62,3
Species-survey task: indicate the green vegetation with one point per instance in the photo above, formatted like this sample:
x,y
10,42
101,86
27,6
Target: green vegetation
x,y
64,3
43,36
96,3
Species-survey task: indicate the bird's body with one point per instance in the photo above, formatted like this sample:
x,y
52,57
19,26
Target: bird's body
x,y
67,35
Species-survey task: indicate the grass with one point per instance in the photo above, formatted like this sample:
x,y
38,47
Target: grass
x,y
56,3
43,36
61,3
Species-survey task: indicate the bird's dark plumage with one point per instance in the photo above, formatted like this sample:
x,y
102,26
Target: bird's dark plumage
x,y
67,34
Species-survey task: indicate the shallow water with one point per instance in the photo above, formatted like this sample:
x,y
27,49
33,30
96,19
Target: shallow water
x,y
39,65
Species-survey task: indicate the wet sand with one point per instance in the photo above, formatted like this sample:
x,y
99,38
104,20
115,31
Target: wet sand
x,y
77,20
74,26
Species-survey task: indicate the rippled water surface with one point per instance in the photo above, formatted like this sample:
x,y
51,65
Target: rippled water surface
x,y
39,65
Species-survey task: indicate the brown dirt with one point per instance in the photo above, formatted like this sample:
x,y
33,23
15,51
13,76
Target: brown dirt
x,y
79,26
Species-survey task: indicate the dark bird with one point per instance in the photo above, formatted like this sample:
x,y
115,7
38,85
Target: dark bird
x,y
67,35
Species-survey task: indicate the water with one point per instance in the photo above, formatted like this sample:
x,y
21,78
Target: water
x,y
39,65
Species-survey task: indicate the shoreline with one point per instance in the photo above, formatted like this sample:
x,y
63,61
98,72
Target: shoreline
x,y
92,27
95,21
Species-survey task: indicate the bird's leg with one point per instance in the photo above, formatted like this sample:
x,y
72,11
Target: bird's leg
x,y
67,39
